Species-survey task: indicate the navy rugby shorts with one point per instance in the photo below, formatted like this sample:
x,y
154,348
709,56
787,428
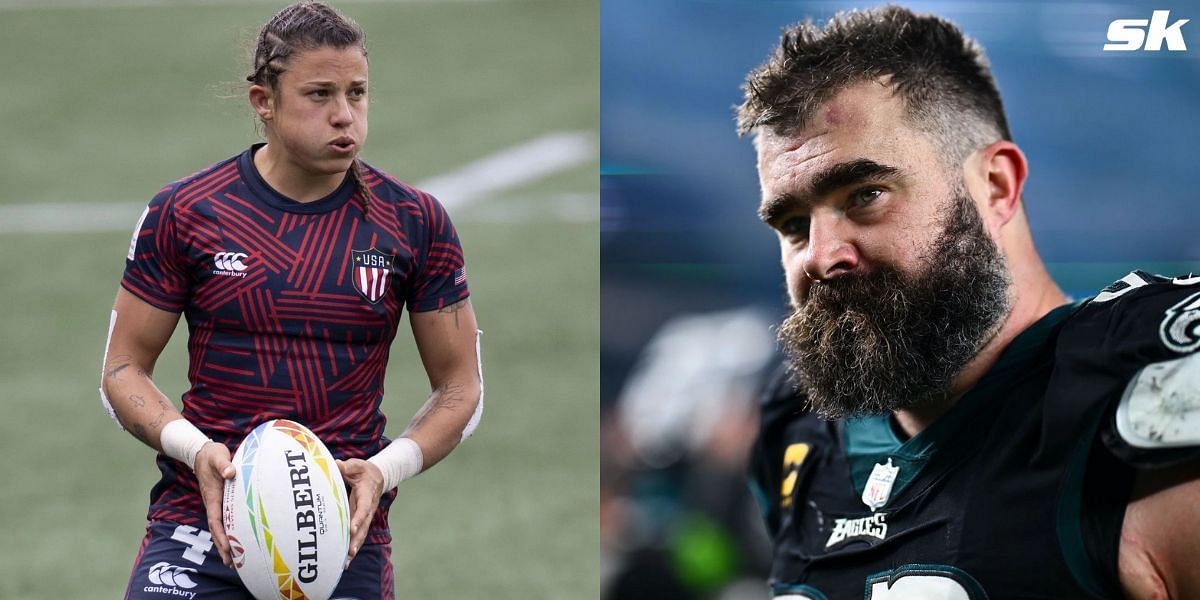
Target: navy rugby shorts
x,y
180,562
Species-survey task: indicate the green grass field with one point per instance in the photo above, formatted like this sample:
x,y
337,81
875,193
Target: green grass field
x,y
105,104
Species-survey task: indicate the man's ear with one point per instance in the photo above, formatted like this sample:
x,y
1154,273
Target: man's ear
x,y
262,101
1002,169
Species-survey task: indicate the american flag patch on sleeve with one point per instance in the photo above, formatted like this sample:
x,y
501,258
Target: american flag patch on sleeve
x,y
460,276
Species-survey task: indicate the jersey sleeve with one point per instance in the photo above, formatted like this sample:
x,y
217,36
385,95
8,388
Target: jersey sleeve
x,y
1152,334
155,268
763,479
765,470
441,279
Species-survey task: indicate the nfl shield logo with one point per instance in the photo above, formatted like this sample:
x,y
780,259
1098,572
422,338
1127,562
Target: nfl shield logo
x,y
372,270
879,485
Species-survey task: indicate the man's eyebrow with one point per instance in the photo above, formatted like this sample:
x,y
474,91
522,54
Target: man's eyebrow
x,y
827,180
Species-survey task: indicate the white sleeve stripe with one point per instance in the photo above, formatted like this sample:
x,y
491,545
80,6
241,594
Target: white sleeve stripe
x,y
112,322
136,230
475,418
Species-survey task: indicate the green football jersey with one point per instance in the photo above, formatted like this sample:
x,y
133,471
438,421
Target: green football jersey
x,y
1019,490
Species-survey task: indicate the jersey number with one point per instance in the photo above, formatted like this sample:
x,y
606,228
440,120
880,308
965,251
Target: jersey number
x,y
792,458
909,582
198,542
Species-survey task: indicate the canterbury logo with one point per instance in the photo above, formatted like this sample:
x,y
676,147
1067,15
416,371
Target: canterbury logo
x,y
167,574
230,261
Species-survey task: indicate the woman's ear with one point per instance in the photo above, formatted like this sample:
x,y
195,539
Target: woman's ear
x,y
262,101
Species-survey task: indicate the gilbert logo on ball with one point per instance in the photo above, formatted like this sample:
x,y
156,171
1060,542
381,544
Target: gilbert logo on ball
x,y
286,514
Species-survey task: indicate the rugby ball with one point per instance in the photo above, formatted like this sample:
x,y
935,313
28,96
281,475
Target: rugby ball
x,y
286,514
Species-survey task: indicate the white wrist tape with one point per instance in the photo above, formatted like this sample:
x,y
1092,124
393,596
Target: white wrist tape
x,y
400,460
182,441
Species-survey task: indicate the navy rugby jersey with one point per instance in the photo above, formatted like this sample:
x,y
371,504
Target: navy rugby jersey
x,y
1019,491
291,307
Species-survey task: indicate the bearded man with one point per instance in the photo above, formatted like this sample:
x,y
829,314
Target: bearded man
x,y
951,426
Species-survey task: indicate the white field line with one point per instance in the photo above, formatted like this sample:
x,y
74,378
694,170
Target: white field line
x,y
69,217
559,208
513,167
507,169
39,5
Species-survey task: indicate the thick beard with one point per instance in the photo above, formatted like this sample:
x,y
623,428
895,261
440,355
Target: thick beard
x,y
882,341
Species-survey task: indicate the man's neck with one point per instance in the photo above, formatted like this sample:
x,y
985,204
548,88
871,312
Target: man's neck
x,y
1026,311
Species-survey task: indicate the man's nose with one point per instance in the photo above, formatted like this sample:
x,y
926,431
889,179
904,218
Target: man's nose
x,y
831,250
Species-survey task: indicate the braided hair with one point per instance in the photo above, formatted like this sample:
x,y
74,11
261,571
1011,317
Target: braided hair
x,y
307,26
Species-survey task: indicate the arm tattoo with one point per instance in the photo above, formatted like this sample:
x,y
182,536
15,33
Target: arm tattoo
x,y
139,432
120,361
446,398
117,369
454,308
157,422
162,413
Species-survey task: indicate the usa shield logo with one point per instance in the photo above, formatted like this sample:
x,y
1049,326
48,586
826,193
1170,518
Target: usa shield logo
x,y
372,272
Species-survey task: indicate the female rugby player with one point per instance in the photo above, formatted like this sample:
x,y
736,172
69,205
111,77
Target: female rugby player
x,y
292,262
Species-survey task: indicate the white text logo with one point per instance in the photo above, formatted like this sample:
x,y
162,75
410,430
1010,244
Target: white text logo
x,y
230,264
1131,33
844,529
168,578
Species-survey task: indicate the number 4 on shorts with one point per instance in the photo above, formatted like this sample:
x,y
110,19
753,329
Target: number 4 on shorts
x,y
197,540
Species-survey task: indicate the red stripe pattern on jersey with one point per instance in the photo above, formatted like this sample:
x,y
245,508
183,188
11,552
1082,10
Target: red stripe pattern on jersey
x,y
291,307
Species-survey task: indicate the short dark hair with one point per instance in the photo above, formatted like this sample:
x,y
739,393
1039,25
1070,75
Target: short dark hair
x,y
941,75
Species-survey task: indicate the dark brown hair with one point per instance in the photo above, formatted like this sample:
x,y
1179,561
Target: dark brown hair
x,y
306,26
941,75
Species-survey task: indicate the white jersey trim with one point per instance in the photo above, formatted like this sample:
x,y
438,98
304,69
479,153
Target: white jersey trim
x,y
112,322
475,418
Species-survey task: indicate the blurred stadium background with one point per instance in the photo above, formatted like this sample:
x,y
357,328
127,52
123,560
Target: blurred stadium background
x,y
103,102
691,279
